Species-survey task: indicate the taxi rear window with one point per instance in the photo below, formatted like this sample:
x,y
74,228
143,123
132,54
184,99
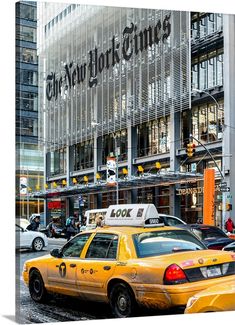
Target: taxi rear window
x,y
156,243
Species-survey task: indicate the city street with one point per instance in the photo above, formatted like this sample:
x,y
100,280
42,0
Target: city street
x,y
59,309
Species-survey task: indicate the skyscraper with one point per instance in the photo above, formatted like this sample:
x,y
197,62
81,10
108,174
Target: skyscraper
x,y
29,159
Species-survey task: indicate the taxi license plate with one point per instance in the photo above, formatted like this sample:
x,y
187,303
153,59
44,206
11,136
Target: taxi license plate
x,y
213,271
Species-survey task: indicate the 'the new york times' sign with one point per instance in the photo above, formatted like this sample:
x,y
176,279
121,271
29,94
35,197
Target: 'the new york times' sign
x,y
133,41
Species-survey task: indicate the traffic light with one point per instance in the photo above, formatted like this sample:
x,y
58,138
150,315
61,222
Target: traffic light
x,y
190,149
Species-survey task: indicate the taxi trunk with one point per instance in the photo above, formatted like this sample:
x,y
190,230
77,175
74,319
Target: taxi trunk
x,y
172,280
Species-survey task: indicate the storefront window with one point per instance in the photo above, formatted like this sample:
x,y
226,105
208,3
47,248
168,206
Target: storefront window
x,y
145,195
163,200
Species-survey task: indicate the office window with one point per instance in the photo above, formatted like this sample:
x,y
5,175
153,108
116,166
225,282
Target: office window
x,y
207,70
25,33
207,122
26,101
108,143
153,137
204,25
27,126
84,155
26,55
58,162
27,77
26,12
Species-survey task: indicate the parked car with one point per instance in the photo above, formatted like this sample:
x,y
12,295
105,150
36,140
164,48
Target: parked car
x,y
22,222
169,220
54,229
30,239
213,237
230,247
220,297
132,260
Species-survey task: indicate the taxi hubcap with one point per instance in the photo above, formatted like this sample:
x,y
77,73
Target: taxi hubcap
x,y
37,286
122,303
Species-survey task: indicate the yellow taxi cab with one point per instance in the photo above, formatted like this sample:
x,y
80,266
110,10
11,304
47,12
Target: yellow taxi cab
x,y
132,260
220,297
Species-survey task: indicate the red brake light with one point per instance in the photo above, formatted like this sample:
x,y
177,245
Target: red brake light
x,y
174,275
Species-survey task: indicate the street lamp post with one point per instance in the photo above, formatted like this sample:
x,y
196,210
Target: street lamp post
x,y
222,173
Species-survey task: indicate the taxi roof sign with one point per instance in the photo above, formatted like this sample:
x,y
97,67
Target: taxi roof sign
x,y
137,215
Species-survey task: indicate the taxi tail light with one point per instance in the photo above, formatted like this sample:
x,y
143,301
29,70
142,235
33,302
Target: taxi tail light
x,y
174,275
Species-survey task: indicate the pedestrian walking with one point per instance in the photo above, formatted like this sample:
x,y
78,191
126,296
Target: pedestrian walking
x,y
229,225
71,229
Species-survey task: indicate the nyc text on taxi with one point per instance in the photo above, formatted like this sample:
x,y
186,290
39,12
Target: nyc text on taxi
x,y
133,260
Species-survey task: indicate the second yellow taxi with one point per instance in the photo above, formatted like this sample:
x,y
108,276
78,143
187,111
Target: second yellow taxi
x,y
132,260
220,297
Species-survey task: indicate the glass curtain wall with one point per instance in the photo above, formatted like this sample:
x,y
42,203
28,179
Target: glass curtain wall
x,y
117,67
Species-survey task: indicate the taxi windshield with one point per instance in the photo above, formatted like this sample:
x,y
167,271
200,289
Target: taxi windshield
x,y
156,243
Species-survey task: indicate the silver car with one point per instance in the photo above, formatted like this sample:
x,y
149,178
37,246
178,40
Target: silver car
x,y
30,239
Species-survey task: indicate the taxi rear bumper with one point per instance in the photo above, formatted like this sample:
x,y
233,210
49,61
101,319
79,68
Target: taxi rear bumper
x,y
167,296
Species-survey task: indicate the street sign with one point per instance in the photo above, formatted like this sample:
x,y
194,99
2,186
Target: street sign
x,y
225,189
223,184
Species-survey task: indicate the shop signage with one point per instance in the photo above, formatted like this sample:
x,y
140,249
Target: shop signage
x,y
195,190
54,205
134,41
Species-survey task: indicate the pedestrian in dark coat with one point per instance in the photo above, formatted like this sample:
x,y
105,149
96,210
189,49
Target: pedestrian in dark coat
x,y
34,225
71,229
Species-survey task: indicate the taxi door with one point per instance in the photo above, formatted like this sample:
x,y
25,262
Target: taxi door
x,y
98,265
62,271
62,275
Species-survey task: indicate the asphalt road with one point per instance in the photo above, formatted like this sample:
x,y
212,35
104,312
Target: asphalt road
x,y
59,308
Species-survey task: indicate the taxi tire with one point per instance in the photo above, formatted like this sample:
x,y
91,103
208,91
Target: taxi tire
x,y
122,301
38,244
37,289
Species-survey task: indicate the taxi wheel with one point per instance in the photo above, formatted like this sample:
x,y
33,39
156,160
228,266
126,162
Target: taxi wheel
x,y
122,301
38,244
36,287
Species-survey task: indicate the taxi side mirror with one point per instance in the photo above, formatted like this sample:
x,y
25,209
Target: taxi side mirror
x,y
56,252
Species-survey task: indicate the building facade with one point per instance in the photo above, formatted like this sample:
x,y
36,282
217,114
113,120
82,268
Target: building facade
x,y
137,85
29,160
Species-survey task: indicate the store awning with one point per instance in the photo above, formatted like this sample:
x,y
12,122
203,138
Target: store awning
x,y
126,183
